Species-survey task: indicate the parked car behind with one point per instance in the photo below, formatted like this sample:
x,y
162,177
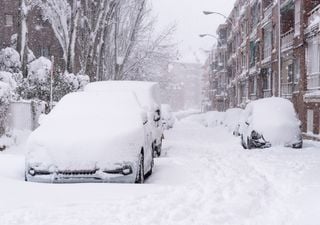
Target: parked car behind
x,y
148,96
168,119
91,137
270,122
231,120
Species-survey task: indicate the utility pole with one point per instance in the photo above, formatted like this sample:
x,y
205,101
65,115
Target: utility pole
x,y
51,83
279,48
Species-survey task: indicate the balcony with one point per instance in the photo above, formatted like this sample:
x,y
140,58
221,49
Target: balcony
x,y
314,81
268,11
314,16
287,90
287,40
267,51
267,93
253,96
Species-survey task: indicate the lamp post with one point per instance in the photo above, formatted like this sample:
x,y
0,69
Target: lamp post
x,y
220,14
279,48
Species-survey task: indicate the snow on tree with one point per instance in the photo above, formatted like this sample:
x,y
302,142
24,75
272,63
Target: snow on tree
x,y
63,19
8,78
39,70
38,82
97,19
22,42
5,95
9,60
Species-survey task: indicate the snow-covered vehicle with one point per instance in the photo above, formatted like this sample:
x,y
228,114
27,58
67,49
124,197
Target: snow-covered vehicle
x,y
148,96
167,116
91,137
270,122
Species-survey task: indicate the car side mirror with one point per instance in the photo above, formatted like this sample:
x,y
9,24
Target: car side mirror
x,y
157,116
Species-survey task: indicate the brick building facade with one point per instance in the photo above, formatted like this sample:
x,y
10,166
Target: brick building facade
x,y
41,38
255,42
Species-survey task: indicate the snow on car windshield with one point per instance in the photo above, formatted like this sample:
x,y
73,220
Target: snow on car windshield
x,y
147,93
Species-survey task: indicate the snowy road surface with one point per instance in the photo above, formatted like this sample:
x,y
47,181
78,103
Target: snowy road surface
x,y
204,178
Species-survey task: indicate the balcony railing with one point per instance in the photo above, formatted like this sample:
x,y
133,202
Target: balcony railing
x,y
313,15
244,100
287,90
253,96
314,81
267,93
267,52
268,10
287,39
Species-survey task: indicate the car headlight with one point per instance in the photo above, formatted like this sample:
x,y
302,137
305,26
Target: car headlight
x,y
32,172
126,170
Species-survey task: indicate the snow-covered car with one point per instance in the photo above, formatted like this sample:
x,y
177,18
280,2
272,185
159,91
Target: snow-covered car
x,y
167,116
91,137
148,96
270,122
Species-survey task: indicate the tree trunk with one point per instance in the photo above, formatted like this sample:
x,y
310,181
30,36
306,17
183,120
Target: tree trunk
x,y
22,42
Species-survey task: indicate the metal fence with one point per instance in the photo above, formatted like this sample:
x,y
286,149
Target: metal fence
x,y
24,115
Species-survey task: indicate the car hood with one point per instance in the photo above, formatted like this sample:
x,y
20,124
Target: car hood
x,y
82,146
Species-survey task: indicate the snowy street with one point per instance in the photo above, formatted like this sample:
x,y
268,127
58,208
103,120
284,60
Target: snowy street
x,y
204,177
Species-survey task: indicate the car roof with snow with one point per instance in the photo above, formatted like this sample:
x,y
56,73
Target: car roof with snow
x,y
114,110
272,109
147,93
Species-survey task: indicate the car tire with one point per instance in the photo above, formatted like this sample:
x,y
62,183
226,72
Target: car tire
x,y
25,177
249,144
158,149
140,172
154,150
242,143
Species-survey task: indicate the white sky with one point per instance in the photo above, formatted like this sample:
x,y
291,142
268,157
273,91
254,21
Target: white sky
x,y
187,14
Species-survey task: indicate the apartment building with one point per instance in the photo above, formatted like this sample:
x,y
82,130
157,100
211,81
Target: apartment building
x,y
273,49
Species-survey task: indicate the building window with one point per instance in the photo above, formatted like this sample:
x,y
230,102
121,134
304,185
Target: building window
x,y
310,121
313,67
266,76
252,54
267,44
290,73
44,51
9,20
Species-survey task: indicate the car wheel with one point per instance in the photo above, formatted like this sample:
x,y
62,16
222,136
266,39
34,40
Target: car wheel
x,y
158,149
140,174
249,144
242,143
25,176
154,151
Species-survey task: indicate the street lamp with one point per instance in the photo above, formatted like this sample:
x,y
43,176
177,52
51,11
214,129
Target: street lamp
x,y
208,35
217,13
212,36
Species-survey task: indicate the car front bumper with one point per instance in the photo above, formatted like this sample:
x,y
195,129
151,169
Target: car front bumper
x,y
93,176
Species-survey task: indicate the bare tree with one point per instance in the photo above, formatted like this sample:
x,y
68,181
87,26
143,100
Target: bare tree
x,y
96,16
22,42
64,18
